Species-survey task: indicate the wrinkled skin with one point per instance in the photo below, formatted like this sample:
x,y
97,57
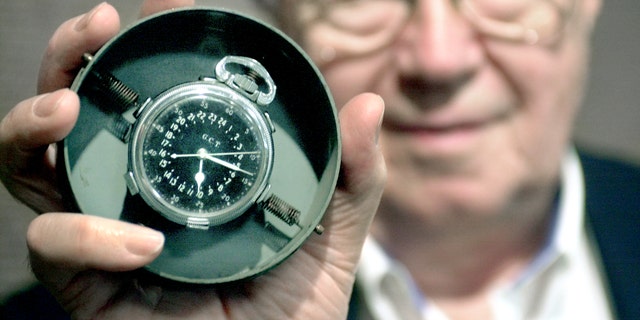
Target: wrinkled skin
x,y
85,260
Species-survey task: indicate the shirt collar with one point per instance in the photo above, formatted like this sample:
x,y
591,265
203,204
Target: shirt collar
x,y
567,222
571,207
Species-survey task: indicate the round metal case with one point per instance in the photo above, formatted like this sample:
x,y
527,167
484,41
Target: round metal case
x,y
209,126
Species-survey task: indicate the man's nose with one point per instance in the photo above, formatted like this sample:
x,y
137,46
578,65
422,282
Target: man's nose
x,y
438,44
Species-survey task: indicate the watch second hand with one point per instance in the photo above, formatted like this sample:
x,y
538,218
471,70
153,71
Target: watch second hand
x,y
193,155
203,154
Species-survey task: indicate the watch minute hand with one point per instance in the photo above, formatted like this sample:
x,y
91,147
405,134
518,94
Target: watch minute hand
x,y
226,164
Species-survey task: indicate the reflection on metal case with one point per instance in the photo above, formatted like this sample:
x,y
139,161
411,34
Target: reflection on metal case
x,y
227,144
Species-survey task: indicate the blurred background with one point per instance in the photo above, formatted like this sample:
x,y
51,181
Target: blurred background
x,y
609,122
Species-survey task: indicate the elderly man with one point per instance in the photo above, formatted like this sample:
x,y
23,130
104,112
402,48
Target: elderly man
x,y
484,213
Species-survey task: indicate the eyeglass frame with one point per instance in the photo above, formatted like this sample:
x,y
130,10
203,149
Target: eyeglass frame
x,y
494,28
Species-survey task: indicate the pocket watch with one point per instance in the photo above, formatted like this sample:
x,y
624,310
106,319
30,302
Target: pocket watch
x,y
211,127
200,153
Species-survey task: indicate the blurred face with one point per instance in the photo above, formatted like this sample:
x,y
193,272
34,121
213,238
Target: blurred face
x,y
480,94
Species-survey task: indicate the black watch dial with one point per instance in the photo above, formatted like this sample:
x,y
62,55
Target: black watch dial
x,y
199,156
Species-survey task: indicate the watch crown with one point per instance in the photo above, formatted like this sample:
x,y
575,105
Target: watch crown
x,y
245,83
249,82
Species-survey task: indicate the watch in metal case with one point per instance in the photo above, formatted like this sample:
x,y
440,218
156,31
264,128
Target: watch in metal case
x,y
200,153
226,143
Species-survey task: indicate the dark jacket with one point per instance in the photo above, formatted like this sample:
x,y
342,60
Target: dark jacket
x,y
613,218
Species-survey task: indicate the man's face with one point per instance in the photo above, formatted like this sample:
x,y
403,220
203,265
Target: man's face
x,y
473,123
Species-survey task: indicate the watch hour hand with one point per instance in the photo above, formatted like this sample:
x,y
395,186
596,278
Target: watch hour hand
x,y
200,175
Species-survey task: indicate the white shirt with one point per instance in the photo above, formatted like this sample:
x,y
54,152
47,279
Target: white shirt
x,y
564,281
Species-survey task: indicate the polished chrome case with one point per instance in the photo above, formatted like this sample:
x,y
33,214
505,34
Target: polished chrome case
x,y
182,46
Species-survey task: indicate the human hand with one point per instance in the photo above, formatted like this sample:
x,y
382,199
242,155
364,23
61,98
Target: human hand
x,y
83,260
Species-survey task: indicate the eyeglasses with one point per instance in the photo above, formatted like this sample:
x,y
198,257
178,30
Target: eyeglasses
x,y
355,27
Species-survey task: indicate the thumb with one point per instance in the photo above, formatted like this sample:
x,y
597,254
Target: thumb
x,y
362,162
362,179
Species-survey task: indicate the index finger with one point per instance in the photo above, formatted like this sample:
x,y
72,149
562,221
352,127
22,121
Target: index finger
x,y
76,36
86,33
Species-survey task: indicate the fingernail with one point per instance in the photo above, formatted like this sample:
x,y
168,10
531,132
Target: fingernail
x,y
142,241
47,104
86,18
